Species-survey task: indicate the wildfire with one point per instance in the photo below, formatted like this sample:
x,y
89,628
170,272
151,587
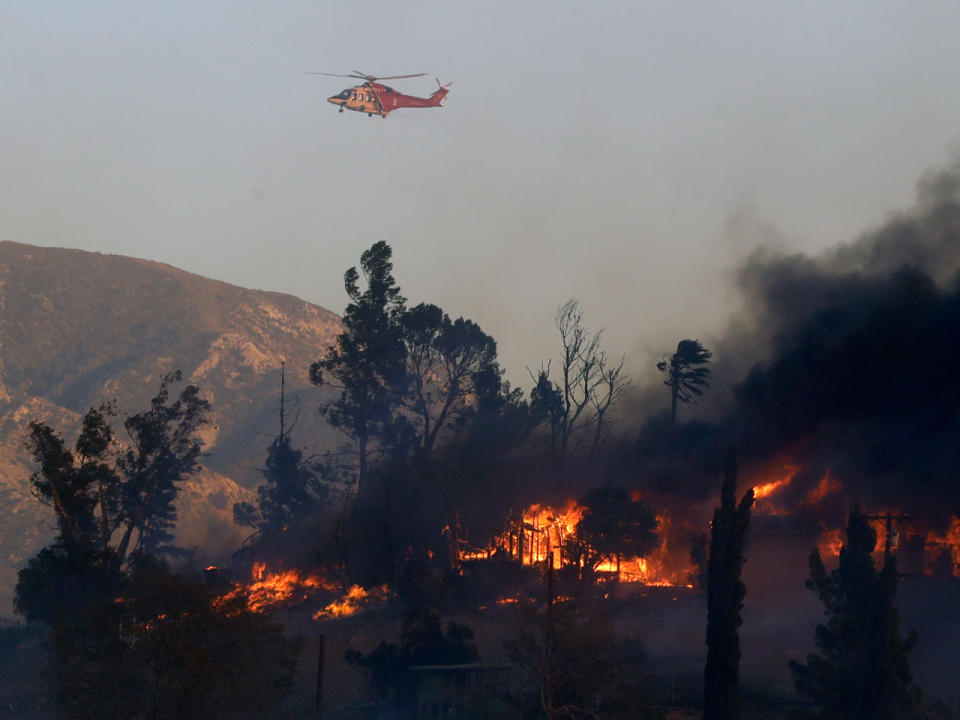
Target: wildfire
x,y
270,590
768,488
541,532
949,544
830,543
918,551
828,485
356,599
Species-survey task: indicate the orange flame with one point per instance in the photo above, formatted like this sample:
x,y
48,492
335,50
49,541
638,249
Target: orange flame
x,y
356,599
538,536
935,552
827,486
271,590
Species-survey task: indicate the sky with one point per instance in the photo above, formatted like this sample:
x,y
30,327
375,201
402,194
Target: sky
x,y
629,154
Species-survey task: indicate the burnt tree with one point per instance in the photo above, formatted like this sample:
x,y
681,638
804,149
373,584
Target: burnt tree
x,y
725,593
588,384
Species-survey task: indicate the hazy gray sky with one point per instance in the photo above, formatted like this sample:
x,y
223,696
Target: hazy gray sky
x,y
626,153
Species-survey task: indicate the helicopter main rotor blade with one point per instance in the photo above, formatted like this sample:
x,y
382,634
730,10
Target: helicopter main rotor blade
x,y
364,76
397,77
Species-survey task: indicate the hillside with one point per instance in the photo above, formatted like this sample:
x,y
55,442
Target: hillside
x,y
78,328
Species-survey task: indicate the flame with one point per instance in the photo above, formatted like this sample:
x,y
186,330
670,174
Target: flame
x,y
828,485
271,590
830,543
948,544
933,552
764,491
356,599
538,535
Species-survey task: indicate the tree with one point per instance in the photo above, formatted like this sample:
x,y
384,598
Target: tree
x,y
292,489
448,360
367,363
684,374
587,387
97,489
862,670
725,593
160,648
129,638
612,526
570,665
423,641
164,450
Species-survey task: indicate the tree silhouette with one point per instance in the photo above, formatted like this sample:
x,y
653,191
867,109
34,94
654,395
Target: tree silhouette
x,y
862,670
97,489
612,525
386,669
128,638
292,489
725,593
367,363
588,385
448,361
684,373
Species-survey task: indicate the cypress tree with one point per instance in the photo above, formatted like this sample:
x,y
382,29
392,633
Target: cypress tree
x,y
725,593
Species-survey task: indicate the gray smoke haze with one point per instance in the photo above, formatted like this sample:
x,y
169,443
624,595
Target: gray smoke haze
x,y
843,362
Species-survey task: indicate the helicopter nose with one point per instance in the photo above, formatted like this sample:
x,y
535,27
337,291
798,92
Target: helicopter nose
x,y
335,100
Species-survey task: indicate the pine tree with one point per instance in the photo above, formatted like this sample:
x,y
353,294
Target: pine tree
x,y
367,363
725,593
292,489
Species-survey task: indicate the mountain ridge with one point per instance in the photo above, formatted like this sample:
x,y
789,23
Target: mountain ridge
x,y
79,328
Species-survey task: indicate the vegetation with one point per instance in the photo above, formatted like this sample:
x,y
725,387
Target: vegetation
x,y
129,638
423,641
571,665
293,491
97,489
685,373
368,361
725,593
613,525
862,670
440,450
575,407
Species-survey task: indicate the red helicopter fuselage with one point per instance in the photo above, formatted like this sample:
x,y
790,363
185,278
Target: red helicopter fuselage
x,y
374,98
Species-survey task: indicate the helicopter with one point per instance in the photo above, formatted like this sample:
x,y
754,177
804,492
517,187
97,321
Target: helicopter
x,y
374,98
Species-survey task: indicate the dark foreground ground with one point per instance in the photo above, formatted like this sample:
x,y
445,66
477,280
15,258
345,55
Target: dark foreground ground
x,y
779,620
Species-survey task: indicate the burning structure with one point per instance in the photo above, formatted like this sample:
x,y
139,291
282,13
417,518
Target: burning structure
x,y
548,537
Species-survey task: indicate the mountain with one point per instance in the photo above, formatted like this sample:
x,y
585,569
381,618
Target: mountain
x,y
80,328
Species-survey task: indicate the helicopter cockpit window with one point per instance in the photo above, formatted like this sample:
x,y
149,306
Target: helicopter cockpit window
x,y
345,95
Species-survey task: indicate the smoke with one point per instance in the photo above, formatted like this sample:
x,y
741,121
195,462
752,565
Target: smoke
x,y
862,373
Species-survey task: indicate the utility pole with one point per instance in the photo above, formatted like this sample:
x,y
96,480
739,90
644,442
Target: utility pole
x,y
888,519
321,659
283,417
